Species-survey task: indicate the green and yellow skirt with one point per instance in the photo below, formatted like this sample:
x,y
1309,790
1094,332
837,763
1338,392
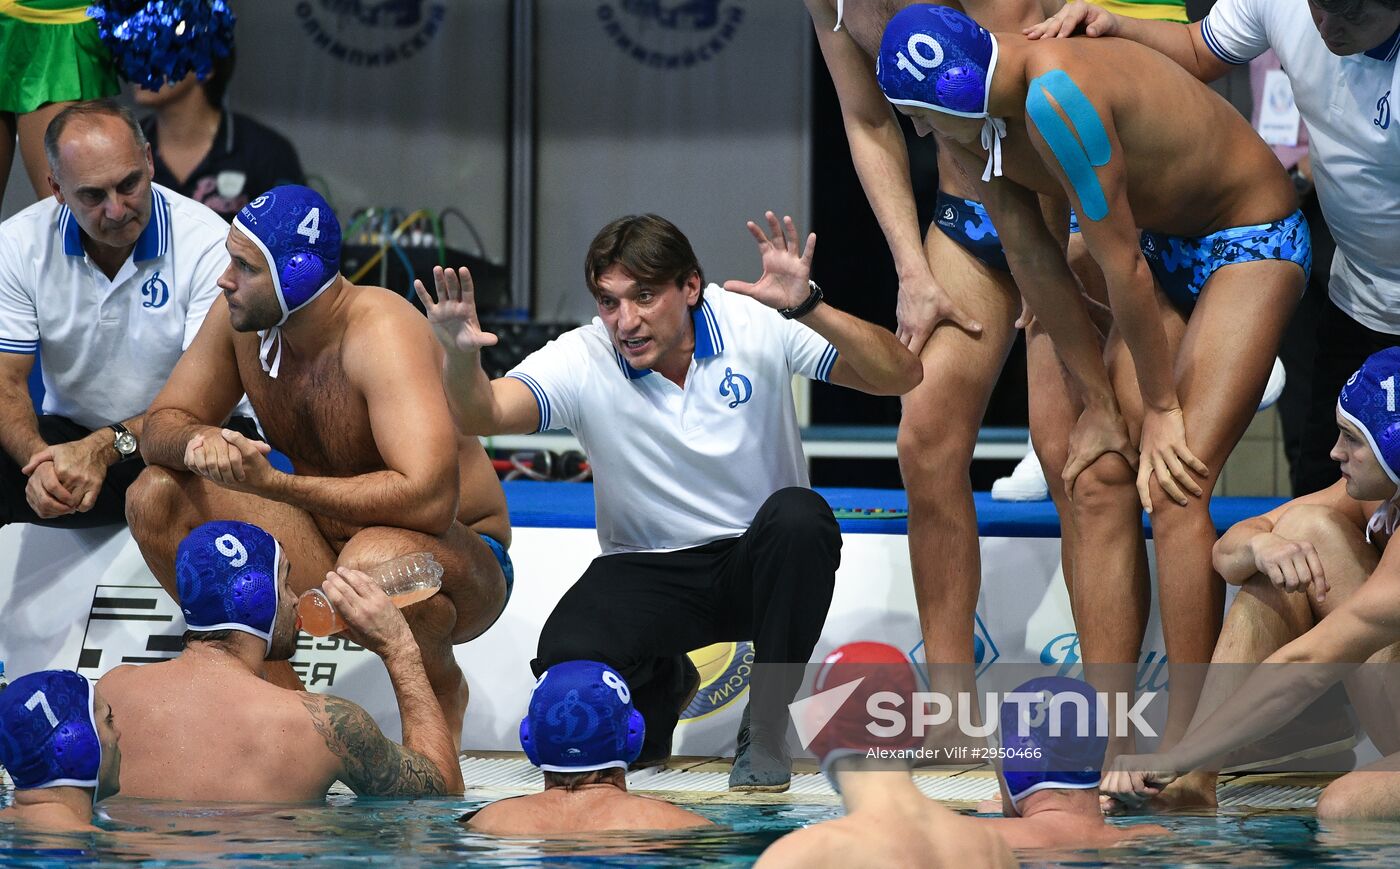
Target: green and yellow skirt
x,y
50,53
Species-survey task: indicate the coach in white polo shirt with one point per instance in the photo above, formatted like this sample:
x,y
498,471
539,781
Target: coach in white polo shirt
x,y
109,279
680,394
1340,57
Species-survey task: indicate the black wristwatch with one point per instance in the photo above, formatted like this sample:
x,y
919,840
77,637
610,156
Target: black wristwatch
x,y
806,307
123,441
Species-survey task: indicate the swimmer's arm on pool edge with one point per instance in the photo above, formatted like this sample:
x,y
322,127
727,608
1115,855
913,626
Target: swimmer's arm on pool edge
x,y
371,764
480,405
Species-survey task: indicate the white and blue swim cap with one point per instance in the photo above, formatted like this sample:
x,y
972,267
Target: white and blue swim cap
x,y
299,235
226,573
933,57
48,737
581,719
1052,742
1369,401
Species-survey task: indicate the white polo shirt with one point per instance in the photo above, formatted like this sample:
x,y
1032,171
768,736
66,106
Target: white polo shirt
x,y
107,346
675,468
1348,104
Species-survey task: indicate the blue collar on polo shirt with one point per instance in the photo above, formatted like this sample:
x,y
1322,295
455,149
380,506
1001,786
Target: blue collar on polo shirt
x,y
1388,50
153,242
708,340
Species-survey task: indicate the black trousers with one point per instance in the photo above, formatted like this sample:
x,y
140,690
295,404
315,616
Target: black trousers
x,y
642,612
110,507
1342,345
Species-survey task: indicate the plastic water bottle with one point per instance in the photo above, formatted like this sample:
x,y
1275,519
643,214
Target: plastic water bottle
x,y
407,580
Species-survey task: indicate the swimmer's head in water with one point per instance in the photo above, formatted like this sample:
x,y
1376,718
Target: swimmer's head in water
x,y
232,576
860,671
581,719
1370,404
298,236
1050,739
55,731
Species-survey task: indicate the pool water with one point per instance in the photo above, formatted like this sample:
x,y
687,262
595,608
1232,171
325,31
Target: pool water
x,y
409,833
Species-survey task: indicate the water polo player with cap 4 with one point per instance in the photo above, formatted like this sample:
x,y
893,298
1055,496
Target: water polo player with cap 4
x,y
206,725
58,740
582,731
888,822
1198,305
1319,584
1051,765
346,382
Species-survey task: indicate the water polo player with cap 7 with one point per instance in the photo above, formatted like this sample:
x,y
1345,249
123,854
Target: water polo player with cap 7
x,y
206,726
58,740
345,380
582,731
1198,309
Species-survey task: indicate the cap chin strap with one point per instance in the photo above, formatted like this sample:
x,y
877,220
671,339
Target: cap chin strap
x,y
266,338
993,131
840,8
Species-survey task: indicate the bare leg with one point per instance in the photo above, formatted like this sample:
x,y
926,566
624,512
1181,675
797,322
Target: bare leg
x,y
1221,368
473,593
31,145
1371,793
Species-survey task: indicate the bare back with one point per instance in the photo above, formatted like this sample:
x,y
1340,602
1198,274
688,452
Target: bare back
x,y
195,730
1193,164
1066,830
591,809
315,412
911,835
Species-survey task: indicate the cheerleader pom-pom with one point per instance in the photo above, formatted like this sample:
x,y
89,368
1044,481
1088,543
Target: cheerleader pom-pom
x,y
161,41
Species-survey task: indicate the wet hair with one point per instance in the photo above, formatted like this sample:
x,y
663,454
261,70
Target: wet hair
x,y
1352,8
216,637
90,109
215,85
649,248
572,781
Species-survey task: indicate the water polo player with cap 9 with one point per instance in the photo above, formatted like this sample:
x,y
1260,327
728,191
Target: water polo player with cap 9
x,y
1319,584
582,731
1198,305
346,382
58,740
206,726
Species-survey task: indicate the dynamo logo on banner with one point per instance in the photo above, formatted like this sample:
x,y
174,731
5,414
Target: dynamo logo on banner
x,y
671,34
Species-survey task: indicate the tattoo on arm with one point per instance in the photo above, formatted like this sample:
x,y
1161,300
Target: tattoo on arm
x,y
373,765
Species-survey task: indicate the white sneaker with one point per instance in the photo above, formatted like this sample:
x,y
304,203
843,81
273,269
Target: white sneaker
x,y
1026,483
1277,379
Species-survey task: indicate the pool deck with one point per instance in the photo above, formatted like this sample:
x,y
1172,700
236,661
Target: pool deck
x,y
706,779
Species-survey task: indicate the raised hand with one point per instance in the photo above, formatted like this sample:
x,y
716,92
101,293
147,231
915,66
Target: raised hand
x,y
785,270
453,313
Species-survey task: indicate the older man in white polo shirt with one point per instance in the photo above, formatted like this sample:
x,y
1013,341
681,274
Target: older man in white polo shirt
x,y
1340,57
109,280
680,394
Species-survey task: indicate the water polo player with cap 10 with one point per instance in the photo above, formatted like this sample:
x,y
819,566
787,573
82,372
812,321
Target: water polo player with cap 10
x,y
346,382
1189,353
58,740
888,822
582,731
206,725
1052,760
1319,585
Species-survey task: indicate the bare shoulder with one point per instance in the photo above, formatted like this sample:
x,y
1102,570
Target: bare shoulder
x,y
376,315
824,844
664,814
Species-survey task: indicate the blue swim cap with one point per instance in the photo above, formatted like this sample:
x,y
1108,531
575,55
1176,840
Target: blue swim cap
x,y
1369,401
299,234
48,738
581,719
1052,742
937,58
226,573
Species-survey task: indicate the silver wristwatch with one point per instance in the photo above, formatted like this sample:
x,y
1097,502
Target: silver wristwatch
x,y
123,441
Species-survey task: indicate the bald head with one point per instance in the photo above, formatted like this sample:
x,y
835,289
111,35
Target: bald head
x,y
100,167
107,123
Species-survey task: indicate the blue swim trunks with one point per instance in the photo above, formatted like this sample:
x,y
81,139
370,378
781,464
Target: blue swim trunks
x,y
1183,265
966,222
507,568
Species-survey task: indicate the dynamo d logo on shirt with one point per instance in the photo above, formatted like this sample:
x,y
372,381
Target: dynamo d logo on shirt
x,y
671,34
155,292
371,33
737,385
